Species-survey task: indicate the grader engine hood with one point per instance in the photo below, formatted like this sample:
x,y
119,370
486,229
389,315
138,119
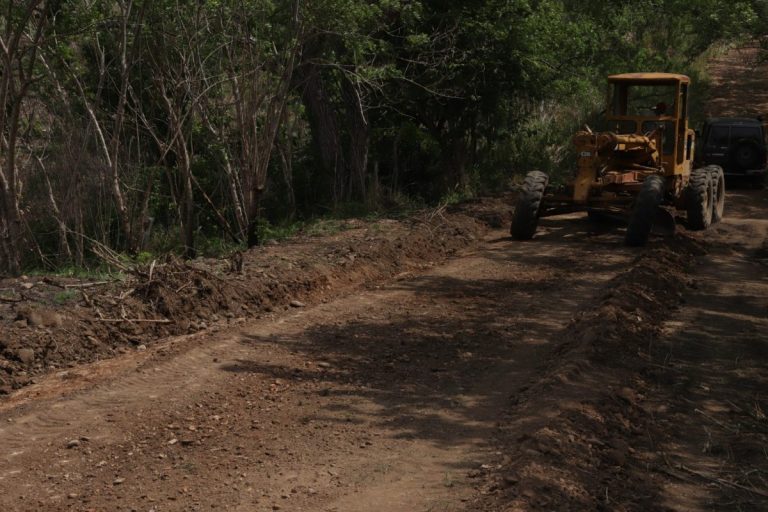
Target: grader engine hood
x,y
627,149
607,153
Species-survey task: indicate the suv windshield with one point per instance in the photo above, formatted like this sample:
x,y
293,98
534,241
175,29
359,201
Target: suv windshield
x,y
747,133
722,136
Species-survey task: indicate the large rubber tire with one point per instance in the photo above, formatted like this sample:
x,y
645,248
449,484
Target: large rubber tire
x,y
717,179
746,155
528,206
644,211
699,200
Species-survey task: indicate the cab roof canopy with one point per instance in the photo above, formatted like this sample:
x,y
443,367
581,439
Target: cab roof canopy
x,y
650,78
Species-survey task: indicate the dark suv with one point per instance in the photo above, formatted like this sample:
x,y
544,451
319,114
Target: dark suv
x,y
737,144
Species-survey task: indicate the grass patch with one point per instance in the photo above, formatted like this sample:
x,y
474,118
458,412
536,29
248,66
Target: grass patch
x,y
100,273
64,297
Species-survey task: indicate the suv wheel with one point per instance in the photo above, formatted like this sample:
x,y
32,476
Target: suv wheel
x,y
745,155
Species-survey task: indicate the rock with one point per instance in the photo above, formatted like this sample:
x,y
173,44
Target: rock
x,y
627,395
31,316
74,443
297,304
26,355
118,481
510,480
21,323
27,286
141,348
323,364
40,317
616,457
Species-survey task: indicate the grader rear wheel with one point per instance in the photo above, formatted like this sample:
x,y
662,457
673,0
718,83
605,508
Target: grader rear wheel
x,y
528,206
717,178
699,200
644,212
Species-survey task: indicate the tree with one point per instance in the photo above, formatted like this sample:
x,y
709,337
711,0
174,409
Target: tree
x,y
24,29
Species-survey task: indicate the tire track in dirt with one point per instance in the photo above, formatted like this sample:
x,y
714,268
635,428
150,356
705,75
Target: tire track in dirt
x,y
714,378
738,84
383,400
655,399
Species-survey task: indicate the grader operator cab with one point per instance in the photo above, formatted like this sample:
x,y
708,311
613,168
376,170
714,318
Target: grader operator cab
x,y
640,168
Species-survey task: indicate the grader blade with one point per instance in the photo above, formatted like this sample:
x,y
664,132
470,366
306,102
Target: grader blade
x,y
663,222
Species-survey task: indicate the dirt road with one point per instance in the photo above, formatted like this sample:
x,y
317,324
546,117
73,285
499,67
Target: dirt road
x,y
409,395
382,400
568,373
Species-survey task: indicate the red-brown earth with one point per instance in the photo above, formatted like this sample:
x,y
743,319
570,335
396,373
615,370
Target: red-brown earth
x,y
430,364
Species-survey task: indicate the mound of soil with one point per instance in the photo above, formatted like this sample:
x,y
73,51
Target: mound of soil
x,y
584,427
48,324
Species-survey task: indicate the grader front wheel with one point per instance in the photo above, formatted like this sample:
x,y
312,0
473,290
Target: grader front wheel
x,y
528,206
644,212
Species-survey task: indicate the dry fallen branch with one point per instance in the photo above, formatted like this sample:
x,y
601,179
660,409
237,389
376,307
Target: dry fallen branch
x,y
86,285
126,294
717,422
727,483
685,478
110,257
87,299
52,282
135,320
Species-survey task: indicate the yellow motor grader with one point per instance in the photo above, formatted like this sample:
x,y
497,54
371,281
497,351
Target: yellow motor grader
x,y
640,167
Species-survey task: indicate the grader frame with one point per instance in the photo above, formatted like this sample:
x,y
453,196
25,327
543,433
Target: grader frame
x,y
638,168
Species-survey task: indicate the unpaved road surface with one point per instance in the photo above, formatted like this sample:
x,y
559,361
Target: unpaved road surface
x,y
568,373
449,389
385,399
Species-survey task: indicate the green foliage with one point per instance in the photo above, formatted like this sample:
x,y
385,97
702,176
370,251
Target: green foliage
x,y
388,106
65,296
95,272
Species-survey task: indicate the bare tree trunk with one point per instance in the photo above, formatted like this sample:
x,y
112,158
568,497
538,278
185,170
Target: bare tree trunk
x,y
396,163
359,140
19,45
188,202
80,231
145,222
184,165
123,213
62,226
286,163
457,151
265,139
234,183
325,129
111,143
